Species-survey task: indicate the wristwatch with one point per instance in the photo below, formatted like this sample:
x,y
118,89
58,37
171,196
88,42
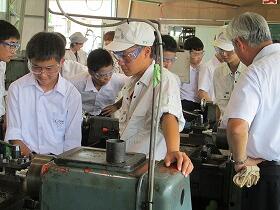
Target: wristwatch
x,y
238,162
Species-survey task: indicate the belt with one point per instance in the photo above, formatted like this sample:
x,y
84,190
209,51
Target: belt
x,y
269,163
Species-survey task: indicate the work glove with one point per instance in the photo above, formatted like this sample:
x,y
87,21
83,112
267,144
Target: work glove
x,y
248,176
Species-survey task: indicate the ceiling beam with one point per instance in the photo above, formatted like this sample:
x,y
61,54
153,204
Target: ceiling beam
x,y
219,2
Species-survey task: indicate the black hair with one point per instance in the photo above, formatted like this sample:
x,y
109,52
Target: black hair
x,y
109,36
169,43
62,37
45,46
99,58
7,31
193,43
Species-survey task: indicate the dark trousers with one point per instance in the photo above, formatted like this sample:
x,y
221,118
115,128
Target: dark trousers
x,y
266,194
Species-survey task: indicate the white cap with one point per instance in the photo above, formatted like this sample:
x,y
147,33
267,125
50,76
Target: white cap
x,y
221,40
77,37
130,34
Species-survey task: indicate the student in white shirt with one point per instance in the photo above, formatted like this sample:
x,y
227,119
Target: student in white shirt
x,y
100,86
9,37
227,74
44,111
253,110
133,46
170,49
189,91
70,68
75,52
107,39
206,74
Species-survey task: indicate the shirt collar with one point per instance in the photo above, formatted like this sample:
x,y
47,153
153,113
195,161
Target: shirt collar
x,y
267,50
89,85
146,77
59,87
240,68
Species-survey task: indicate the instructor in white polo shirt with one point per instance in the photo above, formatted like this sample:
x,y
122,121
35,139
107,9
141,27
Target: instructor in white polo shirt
x,y
253,127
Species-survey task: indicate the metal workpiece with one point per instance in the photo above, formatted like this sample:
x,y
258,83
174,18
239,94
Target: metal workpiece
x,y
115,151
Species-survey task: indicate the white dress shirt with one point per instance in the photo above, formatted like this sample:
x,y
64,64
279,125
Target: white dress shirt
x,y
136,111
224,82
205,78
256,100
46,122
95,100
72,68
2,87
189,90
82,56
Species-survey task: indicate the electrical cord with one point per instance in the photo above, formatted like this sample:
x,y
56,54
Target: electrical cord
x,y
94,10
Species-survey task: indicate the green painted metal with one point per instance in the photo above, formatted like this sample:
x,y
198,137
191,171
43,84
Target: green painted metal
x,y
15,69
68,186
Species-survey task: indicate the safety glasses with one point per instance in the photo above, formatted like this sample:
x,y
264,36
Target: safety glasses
x,y
49,70
11,45
127,57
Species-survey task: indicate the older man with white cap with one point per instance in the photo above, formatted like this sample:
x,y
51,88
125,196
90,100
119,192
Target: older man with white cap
x,y
228,73
75,52
133,45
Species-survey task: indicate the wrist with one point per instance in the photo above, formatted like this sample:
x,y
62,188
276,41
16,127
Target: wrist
x,y
239,161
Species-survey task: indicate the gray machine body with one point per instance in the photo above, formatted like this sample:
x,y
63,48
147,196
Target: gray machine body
x,y
82,179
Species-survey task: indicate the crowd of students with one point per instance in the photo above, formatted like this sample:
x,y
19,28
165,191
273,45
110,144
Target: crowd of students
x,y
44,107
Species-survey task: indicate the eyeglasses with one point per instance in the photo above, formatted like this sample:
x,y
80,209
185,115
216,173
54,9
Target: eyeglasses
x,y
11,45
196,53
49,70
221,51
169,60
127,57
103,75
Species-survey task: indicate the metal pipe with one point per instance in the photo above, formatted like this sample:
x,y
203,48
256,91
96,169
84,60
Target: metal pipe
x,y
154,127
46,15
129,9
99,17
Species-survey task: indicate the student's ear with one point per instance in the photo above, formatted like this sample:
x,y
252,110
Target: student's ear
x,y
148,51
62,61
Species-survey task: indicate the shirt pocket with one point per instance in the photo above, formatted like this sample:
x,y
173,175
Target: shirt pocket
x,y
59,124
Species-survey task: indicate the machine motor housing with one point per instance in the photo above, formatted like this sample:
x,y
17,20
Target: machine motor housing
x,y
82,179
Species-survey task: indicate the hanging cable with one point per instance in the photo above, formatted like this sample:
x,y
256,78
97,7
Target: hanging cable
x,y
85,24
94,10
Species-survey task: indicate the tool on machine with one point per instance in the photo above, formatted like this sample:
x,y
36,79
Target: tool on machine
x,y
97,129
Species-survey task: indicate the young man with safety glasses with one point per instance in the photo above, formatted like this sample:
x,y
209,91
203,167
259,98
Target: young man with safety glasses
x,y
227,74
133,47
9,37
100,86
44,111
169,51
189,91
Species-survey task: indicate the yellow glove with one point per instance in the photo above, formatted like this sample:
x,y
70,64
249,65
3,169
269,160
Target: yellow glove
x,y
248,176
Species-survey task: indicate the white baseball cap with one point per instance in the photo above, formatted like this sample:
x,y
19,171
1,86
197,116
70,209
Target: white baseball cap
x,y
221,40
130,34
77,37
